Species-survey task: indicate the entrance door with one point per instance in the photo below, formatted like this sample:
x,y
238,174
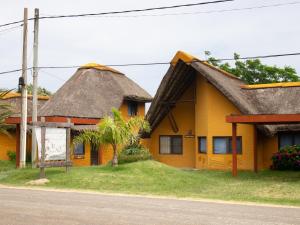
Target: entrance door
x,y
94,155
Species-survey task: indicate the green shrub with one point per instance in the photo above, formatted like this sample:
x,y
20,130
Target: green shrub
x,y
133,153
11,155
287,158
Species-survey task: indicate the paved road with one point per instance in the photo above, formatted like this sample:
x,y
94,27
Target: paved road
x,y
21,206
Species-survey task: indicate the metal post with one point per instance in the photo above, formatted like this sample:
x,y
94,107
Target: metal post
x,y
24,95
35,87
234,152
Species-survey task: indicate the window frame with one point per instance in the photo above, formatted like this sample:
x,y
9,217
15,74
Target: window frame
x,y
79,155
294,133
228,145
131,104
171,136
200,151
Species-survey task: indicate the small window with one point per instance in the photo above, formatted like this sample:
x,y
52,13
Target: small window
x,y
132,108
289,139
79,149
202,144
170,144
223,145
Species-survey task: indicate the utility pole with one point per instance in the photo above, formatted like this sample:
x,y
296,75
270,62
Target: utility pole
x,y
23,84
35,87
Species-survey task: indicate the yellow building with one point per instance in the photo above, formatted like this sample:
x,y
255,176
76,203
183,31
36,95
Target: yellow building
x,y
9,143
188,117
87,97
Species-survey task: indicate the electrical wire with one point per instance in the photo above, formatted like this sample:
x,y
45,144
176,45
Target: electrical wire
x,y
121,12
4,31
205,12
159,63
10,71
52,75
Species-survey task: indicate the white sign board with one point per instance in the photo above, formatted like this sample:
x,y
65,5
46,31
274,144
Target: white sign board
x,y
55,141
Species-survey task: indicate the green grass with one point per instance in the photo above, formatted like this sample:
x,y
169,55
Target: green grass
x,y
154,178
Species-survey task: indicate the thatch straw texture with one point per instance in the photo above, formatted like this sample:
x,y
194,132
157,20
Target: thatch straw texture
x,y
92,93
276,100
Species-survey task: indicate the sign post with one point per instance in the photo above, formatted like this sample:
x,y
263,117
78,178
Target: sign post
x,y
53,144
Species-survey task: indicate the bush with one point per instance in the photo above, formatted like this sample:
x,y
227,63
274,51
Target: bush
x,y
133,154
287,158
11,155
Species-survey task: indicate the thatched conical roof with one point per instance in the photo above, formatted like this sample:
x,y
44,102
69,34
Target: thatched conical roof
x,y
92,92
267,99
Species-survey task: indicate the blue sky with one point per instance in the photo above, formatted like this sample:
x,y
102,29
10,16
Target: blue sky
x,y
119,40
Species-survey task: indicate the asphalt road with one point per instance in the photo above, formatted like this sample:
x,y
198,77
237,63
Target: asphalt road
x,y
21,206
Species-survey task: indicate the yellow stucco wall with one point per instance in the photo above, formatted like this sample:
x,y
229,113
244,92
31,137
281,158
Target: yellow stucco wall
x,y
269,147
206,117
7,143
106,152
211,109
185,119
84,160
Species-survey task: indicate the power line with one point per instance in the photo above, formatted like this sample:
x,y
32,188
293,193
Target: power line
x,y
206,12
158,63
52,75
122,12
10,71
261,57
4,31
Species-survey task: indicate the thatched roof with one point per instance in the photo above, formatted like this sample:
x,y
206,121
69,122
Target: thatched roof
x,y
85,127
272,99
92,92
15,100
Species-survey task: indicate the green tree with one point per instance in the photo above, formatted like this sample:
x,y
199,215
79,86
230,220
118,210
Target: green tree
x,y
5,112
115,131
40,90
253,71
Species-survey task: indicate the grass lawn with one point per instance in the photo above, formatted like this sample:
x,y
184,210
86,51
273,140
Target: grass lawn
x,y
154,178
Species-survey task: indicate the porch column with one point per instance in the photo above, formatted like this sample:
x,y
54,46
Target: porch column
x,y
255,165
17,145
234,148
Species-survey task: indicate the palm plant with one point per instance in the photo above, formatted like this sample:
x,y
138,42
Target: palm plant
x,y
5,111
115,131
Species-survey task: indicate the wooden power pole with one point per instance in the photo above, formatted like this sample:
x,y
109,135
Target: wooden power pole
x,y
23,84
35,87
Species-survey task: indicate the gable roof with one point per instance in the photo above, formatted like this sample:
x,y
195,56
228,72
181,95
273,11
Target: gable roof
x,y
249,99
92,92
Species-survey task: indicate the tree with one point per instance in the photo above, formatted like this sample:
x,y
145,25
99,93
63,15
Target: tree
x,y
115,131
252,71
5,112
40,90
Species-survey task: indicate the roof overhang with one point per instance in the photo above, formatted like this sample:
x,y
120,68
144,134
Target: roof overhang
x,y
56,119
266,119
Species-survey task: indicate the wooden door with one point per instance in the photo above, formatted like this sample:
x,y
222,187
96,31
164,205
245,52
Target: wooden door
x,y
94,155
